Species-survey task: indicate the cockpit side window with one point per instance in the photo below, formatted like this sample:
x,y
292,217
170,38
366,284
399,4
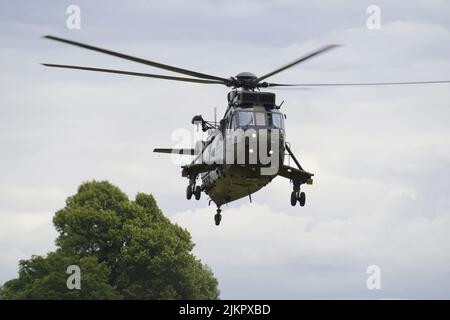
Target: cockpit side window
x,y
277,120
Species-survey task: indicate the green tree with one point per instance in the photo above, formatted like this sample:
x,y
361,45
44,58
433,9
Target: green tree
x,y
46,277
132,250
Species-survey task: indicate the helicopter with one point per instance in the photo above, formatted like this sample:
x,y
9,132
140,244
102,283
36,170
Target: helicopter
x,y
246,149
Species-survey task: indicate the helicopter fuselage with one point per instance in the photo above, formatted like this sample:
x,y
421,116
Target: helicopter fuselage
x,y
248,148
233,182
243,153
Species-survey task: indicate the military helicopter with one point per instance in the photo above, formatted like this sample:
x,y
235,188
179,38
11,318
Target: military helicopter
x,y
229,162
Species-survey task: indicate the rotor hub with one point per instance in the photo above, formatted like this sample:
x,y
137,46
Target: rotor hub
x,y
245,80
245,76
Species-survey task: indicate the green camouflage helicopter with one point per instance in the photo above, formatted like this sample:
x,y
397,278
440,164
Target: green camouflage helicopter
x,y
246,149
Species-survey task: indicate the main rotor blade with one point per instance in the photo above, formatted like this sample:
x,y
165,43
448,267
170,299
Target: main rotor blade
x,y
355,84
139,74
139,60
185,151
293,63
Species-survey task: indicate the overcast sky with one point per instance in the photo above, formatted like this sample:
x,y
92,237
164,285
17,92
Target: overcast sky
x,y
381,156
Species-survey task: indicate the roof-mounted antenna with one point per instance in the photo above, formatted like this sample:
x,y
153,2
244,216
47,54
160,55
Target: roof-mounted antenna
x,y
215,116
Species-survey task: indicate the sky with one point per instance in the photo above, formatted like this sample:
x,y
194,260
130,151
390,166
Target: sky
x,y
380,155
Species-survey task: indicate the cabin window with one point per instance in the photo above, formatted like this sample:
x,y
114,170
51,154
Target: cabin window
x,y
277,120
260,118
246,118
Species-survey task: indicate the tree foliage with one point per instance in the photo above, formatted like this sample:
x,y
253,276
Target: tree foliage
x,y
45,278
125,250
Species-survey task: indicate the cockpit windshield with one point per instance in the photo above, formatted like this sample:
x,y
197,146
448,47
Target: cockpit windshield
x,y
258,118
250,118
246,118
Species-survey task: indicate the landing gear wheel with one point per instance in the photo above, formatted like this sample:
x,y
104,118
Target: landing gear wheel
x,y
302,199
189,192
198,192
293,198
218,217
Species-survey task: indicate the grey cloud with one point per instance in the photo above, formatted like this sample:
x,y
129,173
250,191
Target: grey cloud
x,y
380,155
